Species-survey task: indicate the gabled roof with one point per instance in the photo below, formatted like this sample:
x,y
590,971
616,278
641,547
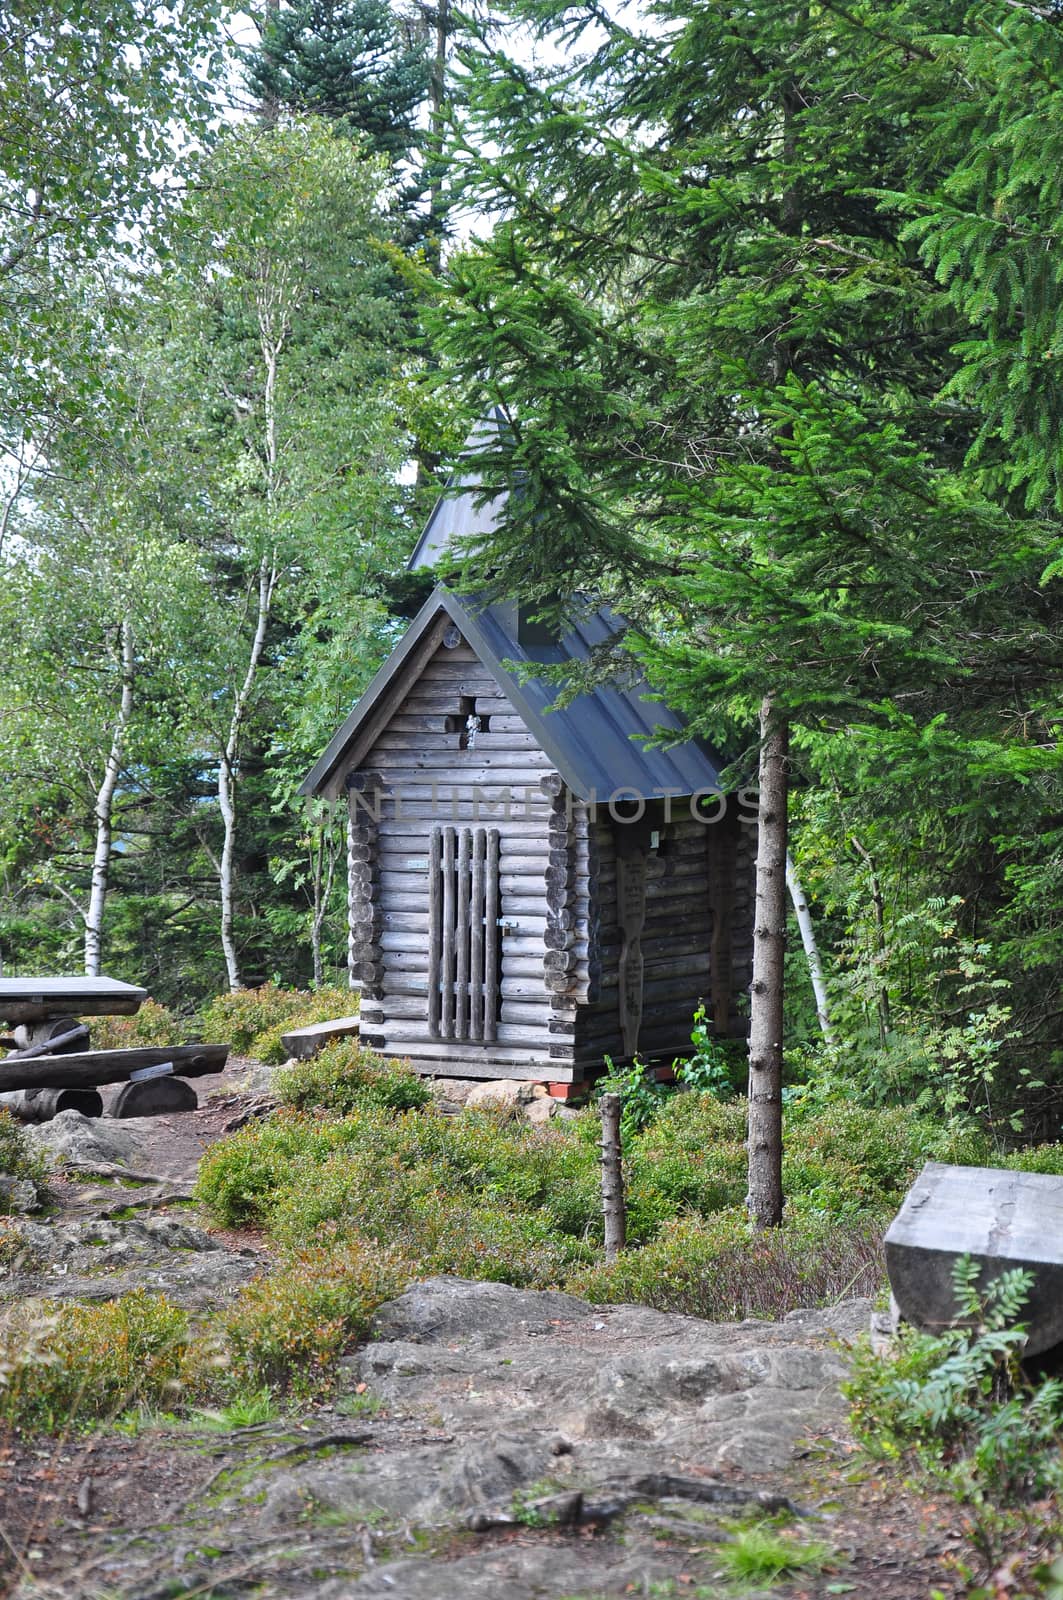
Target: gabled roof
x,y
597,742
593,742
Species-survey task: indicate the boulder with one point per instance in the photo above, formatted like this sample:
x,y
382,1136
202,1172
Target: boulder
x,y
82,1141
503,1092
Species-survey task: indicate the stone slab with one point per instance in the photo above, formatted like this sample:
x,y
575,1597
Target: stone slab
x,y
1002,1219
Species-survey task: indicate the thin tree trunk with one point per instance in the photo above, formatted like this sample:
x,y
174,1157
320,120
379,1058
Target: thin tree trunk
x,y
104,807
438,100
808,939
614,1211
765,1199
878,909
324,874
267,578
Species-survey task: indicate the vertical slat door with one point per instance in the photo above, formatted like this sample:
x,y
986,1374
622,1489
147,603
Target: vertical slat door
x,y
464,965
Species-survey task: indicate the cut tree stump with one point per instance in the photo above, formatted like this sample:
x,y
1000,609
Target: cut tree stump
x,y
153,1097
1002,1220
91,1068
302,1043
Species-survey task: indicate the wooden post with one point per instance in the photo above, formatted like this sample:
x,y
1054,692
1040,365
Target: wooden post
x,y
614,1211
769,947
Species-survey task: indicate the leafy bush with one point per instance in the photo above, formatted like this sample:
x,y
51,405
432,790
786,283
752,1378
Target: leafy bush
x,y
241,1178
152,1024
723,1269
959,1407
252,1020
17,1159
287,1331
69,1363
489,1196
345,1076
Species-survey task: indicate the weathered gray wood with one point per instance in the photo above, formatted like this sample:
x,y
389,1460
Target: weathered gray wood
x,y
1001,1219
435,931
463,933
306,1042
449,957
38,999
492,908
472,1063
41,1105
48,1038
94,1067
477,911
156,1097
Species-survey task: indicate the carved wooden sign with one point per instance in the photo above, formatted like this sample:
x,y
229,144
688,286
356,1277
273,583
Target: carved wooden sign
x,y
631,914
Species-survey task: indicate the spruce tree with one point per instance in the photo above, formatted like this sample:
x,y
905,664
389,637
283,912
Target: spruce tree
x,y
721,361
354,62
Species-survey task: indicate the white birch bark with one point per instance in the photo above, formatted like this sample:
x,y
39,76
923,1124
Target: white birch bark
x,y
227,770
808,939
271,312
104,807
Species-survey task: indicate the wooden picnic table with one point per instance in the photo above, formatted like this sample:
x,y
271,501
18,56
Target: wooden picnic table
x,y
52,1050
26,1001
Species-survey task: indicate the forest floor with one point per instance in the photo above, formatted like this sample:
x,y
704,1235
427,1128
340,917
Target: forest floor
x,y
488,1442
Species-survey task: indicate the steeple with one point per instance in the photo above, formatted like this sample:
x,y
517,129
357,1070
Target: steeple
x,y
456,515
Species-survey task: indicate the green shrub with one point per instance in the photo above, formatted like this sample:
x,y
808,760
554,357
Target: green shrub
x,y
17,1159
241,1178
152,1024
692,1157
345,1076
252,1020
723,1269
287,1331
69,1364
959,1408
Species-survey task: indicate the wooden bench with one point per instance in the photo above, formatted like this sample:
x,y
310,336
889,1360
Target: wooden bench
x,y
306,1042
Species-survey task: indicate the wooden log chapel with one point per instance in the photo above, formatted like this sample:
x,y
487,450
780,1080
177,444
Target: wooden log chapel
x,y
531,888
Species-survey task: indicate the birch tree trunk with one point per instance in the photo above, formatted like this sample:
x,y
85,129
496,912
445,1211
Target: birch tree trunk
x,y
271,311
104,808
764,1145
808,939
267,579
325,851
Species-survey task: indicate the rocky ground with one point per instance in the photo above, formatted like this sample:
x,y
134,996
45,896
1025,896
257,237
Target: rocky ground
x,y
487,1442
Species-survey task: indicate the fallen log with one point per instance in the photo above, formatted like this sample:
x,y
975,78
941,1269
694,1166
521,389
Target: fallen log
x,y
153,1097
91,1068
1002,1220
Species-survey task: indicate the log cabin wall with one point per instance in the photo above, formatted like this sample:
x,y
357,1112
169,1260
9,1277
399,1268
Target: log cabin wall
x,y
394,812
696,935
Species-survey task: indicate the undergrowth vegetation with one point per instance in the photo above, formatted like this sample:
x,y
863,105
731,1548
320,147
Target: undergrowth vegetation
x,y
65,1364
360,1149
251,1021
961,1410
17,1161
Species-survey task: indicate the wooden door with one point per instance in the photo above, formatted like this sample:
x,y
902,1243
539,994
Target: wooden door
x,y
464,955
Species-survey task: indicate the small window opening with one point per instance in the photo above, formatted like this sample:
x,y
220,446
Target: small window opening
x,y
467,722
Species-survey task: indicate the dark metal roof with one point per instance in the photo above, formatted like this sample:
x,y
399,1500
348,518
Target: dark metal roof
x,y
597,742
457,515
594,742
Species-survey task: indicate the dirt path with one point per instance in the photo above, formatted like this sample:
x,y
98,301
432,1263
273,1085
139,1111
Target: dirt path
x,y
437,1473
